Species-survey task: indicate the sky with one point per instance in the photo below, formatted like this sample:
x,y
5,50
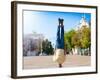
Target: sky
x,y
46,22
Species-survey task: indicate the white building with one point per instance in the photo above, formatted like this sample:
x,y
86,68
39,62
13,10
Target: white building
x,y
32,44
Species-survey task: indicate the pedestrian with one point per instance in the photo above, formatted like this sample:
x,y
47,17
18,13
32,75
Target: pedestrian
x,y
59,55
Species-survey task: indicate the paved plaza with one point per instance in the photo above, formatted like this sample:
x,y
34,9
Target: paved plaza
x,y
33,62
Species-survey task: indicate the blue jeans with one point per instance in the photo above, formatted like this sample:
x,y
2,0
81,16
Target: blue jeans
x,y
60,38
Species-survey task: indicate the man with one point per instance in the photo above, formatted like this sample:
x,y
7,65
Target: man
x,y
59,55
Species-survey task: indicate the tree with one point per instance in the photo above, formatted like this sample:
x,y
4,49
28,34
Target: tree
x,y
79,38
86,34
68,39
47,47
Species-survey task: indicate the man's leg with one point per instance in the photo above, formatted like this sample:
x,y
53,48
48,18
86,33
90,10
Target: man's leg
x,y
62,37
58,38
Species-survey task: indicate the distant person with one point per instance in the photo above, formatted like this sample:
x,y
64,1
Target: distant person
x,y
59,55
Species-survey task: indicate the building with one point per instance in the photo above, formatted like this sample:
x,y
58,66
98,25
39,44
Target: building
x,y
32,44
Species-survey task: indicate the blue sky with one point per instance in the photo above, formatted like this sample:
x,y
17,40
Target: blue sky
x,y
46,22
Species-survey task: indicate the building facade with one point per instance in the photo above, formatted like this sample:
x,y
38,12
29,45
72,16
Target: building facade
x,y
32,44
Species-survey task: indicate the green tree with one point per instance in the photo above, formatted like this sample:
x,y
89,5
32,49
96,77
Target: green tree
x,y
79,38
68,39
47,47
86,34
